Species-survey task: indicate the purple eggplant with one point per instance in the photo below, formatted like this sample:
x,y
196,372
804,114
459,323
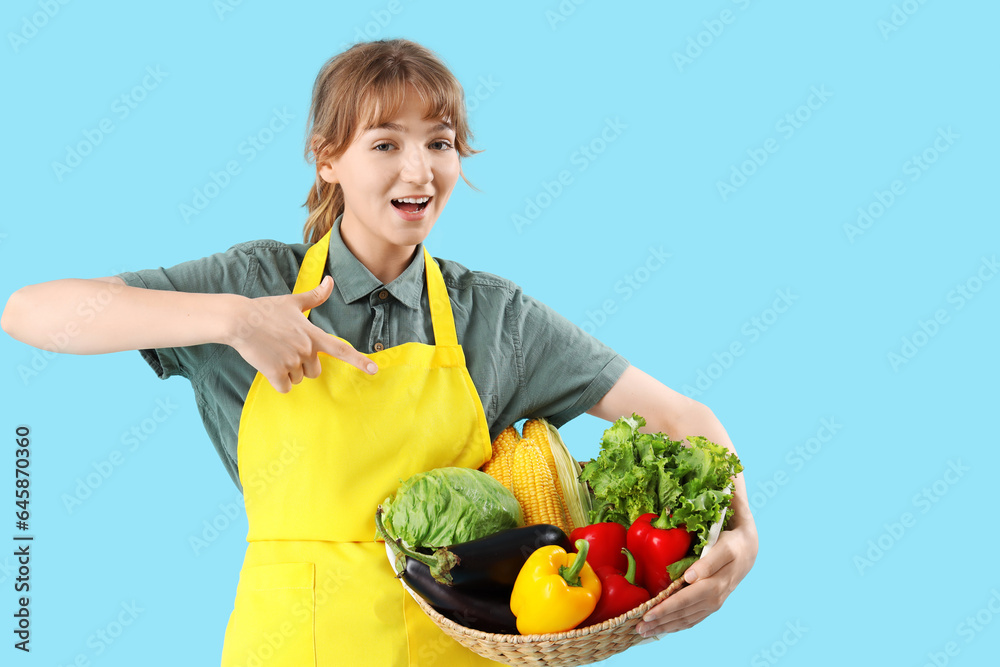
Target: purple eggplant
x,y
471,582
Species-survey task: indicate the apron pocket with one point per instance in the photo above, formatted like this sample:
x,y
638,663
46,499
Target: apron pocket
x,y
273,617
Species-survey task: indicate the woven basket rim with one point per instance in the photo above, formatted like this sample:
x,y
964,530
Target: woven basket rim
x,y
606,627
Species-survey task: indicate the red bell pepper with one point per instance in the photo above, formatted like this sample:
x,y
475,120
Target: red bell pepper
x,y
606,543
619,593
655,549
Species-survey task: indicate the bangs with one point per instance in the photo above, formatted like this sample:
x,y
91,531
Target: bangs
x,y
382,98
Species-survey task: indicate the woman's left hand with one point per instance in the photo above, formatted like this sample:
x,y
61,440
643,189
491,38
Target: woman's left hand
x,y
710,581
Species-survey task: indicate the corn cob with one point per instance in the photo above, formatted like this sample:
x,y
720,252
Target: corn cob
x,y
537,432
500,464
535,489
527,467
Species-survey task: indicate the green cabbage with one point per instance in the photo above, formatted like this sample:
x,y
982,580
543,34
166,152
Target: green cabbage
x,y
448,506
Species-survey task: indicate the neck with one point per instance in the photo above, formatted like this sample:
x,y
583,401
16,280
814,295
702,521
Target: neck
x,y
384,260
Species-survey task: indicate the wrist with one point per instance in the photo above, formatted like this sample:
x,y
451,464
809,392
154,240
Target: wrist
x,y
232,319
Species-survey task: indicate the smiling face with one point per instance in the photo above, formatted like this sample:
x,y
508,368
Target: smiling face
x,y
407,158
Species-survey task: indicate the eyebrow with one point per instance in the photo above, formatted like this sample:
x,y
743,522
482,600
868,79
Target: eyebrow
x,y
396,127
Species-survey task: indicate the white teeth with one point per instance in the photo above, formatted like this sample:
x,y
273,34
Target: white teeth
x,y
413,200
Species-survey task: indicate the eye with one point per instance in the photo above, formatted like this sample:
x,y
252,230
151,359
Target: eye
x,y
443,144
382,147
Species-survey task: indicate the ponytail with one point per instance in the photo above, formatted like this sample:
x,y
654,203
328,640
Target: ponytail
x,y
325,203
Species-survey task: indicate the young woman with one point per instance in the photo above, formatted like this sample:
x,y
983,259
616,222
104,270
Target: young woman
x,y
402,363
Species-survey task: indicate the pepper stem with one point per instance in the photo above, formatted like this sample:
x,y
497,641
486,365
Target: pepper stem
x,y
630,573
572,573
601,513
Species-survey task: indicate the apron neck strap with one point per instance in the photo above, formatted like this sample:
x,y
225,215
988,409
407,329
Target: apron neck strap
x,y
442,319
437,295
311,269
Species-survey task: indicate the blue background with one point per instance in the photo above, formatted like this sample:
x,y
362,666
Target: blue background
x,y
836,561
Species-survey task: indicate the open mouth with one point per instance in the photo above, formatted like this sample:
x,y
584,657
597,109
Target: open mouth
x,y
411,204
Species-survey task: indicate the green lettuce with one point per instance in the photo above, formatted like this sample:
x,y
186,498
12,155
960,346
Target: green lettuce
x,y
677,568
686,482
448,506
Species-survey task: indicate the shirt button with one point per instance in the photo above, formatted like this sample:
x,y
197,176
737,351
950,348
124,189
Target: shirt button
x,y
379,347
384,294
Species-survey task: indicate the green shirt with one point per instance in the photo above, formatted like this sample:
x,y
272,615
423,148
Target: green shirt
x,y
525,359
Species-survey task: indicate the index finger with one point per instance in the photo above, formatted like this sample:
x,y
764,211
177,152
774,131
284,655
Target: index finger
x,y
345,352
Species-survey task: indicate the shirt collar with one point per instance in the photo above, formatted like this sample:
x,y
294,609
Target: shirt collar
x,y
355,281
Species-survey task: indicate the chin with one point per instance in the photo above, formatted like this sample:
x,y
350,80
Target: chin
x,y
413,235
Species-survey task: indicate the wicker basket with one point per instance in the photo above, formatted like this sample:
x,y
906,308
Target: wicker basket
x,y
581,646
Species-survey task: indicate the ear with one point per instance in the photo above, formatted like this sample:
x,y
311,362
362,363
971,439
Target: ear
x,y
325,169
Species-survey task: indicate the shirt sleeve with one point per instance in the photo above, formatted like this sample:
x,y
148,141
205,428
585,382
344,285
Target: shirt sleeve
x,y
222,273
562,370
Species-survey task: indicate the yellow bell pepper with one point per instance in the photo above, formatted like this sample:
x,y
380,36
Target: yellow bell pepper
x,y
555,590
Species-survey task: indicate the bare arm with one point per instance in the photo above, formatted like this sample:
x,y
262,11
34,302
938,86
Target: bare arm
x,y
714,577
105,315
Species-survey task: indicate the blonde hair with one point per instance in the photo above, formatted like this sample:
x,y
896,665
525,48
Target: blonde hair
x,y
362,88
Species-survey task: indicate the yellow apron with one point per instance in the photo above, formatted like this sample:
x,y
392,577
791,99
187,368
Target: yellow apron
x,y
316,588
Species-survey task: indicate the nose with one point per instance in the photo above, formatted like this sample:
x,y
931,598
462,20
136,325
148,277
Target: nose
x,y
416,167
